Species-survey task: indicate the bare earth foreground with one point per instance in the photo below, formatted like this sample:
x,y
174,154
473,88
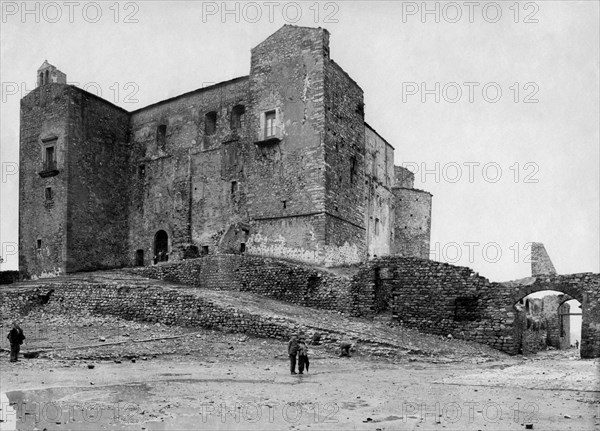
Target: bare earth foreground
x,y
107,373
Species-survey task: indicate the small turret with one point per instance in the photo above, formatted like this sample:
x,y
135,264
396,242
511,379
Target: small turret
x,y
49,74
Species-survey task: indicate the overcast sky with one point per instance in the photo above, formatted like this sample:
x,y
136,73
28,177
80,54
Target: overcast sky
x,y
528,171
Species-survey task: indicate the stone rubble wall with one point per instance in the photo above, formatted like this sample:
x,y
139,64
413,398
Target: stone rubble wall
x,y
282,280
449,300
152,304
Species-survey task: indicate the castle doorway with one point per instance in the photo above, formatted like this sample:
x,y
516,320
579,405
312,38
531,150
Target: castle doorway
x,y
139,258
161,246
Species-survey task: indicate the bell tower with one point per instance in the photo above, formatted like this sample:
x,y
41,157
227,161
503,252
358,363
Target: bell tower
x,y
49,74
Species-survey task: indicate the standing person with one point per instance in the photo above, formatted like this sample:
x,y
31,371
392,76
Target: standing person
x,y
302,356
292,351
15,338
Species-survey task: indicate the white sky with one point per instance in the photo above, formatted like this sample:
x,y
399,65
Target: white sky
x,y
175,48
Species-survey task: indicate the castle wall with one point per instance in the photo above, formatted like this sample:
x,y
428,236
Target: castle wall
x,y
412,230
183,185
98,175
379,177
44,116
316,187
286,190
344,141
404,177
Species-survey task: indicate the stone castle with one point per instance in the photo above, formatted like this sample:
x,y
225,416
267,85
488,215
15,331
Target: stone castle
x,y
278,163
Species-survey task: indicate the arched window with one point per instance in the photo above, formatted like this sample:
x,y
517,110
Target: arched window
x,y
47,77
210,123
236,116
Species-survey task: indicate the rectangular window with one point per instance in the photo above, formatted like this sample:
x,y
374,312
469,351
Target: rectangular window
x,y
233,187
204,249
210,123
49,158
39,244
270,124
48,193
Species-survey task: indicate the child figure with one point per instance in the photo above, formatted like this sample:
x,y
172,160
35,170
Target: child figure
x,y
302,356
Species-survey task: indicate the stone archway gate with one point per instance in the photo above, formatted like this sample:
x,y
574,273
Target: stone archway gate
x,y
445,299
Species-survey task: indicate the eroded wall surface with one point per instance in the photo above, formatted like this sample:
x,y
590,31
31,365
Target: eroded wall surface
x,y
412,223
98,183
541,264
189,184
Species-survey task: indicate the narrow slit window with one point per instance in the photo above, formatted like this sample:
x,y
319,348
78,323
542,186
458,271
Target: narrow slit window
x,y
161,136
48,193
39,244
352,169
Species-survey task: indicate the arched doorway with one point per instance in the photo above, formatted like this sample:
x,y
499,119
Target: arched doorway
x,y
542,320
161,247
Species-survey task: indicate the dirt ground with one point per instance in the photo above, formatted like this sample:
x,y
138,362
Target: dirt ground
x,y
95,373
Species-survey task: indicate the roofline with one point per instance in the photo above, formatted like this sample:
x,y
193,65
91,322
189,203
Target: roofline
x,y
412,189
189,93
377,133
95,96
331,60
81,90
289,25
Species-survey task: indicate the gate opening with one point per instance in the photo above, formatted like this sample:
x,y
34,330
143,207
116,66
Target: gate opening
x,y
548,320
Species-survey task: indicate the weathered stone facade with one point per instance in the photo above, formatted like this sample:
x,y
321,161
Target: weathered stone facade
x,y
277,163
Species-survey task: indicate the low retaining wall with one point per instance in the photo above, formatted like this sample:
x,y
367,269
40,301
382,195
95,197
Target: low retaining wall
x,y
149,304
282,280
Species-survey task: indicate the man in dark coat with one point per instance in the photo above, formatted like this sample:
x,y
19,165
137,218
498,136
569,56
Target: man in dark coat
x,y
15,338
292,352
302,356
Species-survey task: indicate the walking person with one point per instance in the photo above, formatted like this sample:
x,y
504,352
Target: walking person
x,y
15,338
292,352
